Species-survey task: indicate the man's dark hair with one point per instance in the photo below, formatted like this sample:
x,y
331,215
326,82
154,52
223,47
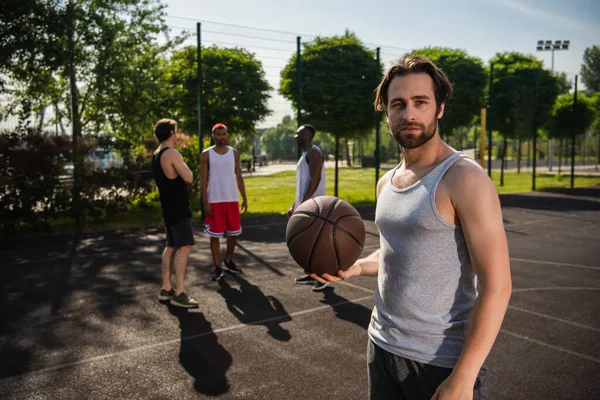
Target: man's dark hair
x,y
309,128
164,129
442,87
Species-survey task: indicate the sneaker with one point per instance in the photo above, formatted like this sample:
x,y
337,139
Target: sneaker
x,y
165,295
305,280
230,267
318,286
216,274
183,300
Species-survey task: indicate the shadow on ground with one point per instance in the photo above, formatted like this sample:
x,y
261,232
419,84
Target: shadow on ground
x,y
583,199
50,304
200,354
250,305
347,310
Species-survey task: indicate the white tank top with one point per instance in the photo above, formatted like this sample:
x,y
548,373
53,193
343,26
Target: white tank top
x,y
222,185
303,178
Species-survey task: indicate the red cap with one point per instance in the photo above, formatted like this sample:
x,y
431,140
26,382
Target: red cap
x,y
217,126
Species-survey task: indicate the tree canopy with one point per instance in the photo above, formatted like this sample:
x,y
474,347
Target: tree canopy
x,y
279,140
117,60
338,75
469,79
565,122
590,69
522,93
234,89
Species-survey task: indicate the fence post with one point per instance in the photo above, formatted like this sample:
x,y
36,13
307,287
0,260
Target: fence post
x,y
489,106
299,90
377,137
75,126
573,136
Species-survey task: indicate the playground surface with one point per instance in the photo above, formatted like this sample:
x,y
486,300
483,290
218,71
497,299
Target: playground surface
x,y
81,320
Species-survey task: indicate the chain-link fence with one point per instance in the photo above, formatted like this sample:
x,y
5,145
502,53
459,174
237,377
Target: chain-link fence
x,y
275,50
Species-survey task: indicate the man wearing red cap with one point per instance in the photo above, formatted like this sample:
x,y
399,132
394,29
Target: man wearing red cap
x,y
221,180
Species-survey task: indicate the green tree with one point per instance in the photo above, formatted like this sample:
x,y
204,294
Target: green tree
x,y
338,75
565,122
119,65
590,69
279,141
595,102
523,94
469,79
234,90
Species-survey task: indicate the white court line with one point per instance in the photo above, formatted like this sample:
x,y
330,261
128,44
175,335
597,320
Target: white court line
x,y
562,349
345,283
510,225
173,341
558,264
564,321
551,346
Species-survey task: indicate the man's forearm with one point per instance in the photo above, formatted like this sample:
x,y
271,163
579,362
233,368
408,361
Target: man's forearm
x,y
369,266
484,325
204,192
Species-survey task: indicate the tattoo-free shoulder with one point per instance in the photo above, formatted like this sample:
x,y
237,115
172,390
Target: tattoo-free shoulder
x,y
467,177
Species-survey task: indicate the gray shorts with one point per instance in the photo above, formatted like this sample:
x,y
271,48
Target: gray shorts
x,y
395,377
180,234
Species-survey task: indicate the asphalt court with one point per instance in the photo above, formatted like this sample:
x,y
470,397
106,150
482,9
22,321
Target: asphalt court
x,y
84,322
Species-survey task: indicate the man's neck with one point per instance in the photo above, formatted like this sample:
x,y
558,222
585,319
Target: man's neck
x,y
307,147
166,143
221,148
432,152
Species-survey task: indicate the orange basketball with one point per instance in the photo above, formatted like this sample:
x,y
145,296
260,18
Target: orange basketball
x,y
325,234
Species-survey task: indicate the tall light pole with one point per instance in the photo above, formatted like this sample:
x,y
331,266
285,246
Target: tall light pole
x,y
548,45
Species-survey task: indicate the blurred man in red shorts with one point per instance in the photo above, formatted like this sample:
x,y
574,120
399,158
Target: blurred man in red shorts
x,y
221,180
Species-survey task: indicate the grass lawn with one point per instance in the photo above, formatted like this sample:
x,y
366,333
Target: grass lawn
x,y
274,194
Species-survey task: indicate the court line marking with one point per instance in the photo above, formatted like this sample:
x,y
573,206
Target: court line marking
x,y
295,314
539,342
550,346
173,341
564,321
555,263
510,225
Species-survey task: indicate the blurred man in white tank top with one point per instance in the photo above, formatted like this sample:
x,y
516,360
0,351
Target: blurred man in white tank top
x,y
310,181
221,180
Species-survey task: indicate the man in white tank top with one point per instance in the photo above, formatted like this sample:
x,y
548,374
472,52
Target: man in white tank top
x,y
443,270
310,182
221,180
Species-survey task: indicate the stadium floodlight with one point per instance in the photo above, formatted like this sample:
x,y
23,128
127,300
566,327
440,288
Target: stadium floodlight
x,y
548,45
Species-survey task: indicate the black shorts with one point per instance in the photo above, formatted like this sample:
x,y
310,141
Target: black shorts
x,y
180,234
395,377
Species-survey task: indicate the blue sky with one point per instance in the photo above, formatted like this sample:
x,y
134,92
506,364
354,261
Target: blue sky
x,y
269,28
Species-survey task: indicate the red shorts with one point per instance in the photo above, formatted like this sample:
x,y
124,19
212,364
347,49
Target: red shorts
x,y
225,220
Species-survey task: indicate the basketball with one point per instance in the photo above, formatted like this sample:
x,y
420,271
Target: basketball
x,y
325,234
